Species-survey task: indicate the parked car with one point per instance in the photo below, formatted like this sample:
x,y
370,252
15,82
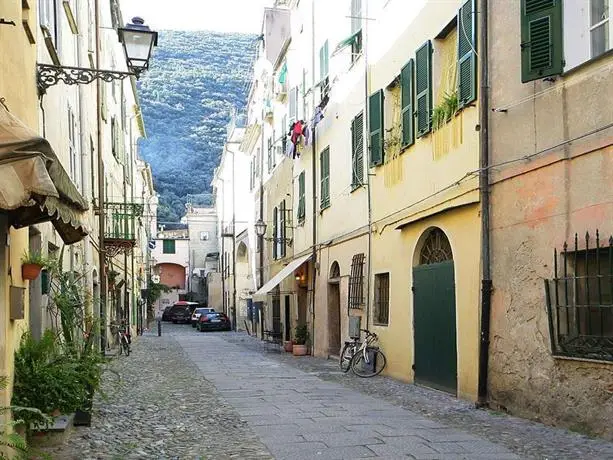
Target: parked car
x,y
181,311
166,313
214,322
198,312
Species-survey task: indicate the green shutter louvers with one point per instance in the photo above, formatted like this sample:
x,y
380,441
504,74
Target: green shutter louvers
x,y
541,39
467,56
423,88
375,128
407,100
325,178
357,151
301,198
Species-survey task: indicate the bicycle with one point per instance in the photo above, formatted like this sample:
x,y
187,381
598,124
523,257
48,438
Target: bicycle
x,y
119,329
368,360
349,350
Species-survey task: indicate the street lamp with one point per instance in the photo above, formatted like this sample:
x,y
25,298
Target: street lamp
x,y
260,228
138,41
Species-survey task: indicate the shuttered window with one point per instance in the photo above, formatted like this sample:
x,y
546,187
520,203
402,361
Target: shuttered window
x,y
357,151
325,178
356,282
407,102
541,39
168,246
275,233
423,88
271,154
301,198
324,58
282,229
375,128
467,56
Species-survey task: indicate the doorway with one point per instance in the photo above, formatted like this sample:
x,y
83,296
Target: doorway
x,y
434,314
276,315
288,320
334,310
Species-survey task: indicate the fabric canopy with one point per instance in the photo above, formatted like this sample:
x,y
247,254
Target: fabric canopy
x,y
34,187
275,280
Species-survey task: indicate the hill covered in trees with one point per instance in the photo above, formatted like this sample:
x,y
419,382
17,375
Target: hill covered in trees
x,y
196,79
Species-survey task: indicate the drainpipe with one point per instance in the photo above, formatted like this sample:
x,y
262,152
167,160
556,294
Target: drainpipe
x,y
484,192
101,250
233,244
314,186
261,166
367,151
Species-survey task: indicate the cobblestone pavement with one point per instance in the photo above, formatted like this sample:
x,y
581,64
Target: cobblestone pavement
x,y
525,438
161,409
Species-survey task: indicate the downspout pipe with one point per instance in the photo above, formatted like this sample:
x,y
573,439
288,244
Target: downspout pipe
x,y
484,192
314,262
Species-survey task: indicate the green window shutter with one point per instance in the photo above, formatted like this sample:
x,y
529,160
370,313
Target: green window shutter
x,y
282,211
275,229
541,39
270,154
423,88
301,198
325,178
168,246
407,102
467,58
375,128
357,151
324,59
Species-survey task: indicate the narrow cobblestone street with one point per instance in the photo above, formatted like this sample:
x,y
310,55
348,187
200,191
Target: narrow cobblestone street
x,y
190,395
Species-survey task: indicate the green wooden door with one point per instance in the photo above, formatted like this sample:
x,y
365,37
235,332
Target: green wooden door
x,y
434,322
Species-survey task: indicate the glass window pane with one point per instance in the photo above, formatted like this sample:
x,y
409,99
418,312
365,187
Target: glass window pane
x,y
599,11
600,39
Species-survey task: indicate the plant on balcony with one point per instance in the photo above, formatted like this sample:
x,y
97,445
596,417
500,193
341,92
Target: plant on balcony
x,y
443,112
31,264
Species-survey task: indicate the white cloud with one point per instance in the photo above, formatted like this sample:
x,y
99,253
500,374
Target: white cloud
x,y
215,15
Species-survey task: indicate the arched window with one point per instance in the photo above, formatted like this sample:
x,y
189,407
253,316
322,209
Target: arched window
x,y
436,248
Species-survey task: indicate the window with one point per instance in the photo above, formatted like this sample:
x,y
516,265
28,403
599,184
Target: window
x,y
541,39
293,104
275,233
282,229
325,178
356,282
600,40
580,301
406,102
467,57
204,236
256,169
324,61
251,174
75,168
423,88
48,17
103,106
357,151
375,128
301,198
356,28
382,299
114,146
168,247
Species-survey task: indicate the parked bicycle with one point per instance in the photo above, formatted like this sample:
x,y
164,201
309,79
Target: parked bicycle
x,y
121,332
365,359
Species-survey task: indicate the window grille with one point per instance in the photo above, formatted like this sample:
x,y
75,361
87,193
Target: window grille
x,y
356,282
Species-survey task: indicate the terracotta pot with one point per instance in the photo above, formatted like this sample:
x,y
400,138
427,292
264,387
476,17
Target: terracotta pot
x,y
288,346
299,350
30,271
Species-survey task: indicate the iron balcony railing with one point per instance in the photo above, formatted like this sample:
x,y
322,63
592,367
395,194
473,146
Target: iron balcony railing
x,y
121,220
580,300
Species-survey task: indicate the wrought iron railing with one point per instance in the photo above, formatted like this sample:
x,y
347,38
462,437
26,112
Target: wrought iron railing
x,y
121,220
580,300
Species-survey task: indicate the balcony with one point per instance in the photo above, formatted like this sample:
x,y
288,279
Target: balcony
x,y
120,223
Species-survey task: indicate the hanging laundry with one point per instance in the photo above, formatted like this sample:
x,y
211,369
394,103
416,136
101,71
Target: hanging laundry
x,y
289,150
318,116
306,133
297,131
324,101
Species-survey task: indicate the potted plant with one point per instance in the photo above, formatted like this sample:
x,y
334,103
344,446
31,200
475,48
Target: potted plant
x,y
301,336
31,265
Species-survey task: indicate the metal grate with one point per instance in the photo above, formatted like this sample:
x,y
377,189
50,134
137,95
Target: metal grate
x,y
382,299
580,300
356,282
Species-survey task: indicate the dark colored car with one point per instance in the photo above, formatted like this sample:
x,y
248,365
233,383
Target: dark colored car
x,y
214,322
199,312
181,312
166,313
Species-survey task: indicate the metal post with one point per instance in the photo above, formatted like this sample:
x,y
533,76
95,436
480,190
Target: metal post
x,y
233,245
159,327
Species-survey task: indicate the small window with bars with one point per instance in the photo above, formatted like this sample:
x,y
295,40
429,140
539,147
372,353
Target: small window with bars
x,y
382,299
356,282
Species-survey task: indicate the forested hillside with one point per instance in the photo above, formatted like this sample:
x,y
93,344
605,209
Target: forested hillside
x,y
194,82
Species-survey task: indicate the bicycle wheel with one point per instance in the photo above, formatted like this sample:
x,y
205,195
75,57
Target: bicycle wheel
x,y
373,364
346,355
126,346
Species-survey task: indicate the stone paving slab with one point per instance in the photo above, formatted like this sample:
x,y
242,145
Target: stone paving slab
x,y
299,416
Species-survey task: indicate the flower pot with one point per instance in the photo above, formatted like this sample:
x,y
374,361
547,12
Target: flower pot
x,y
30,271
288,346
299,350
83,417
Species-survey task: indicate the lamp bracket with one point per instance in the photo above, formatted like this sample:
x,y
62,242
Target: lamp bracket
x,y
287,241
49,75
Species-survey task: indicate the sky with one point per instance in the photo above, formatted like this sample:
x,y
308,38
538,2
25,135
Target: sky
x,y
215,15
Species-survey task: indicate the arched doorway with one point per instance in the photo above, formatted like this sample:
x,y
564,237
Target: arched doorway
x,y
334,310
434,313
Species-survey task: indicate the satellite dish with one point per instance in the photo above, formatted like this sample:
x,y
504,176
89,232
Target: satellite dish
x,y
155,279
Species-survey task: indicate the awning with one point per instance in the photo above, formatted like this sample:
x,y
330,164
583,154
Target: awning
x,y
260,295
34,187
347,42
